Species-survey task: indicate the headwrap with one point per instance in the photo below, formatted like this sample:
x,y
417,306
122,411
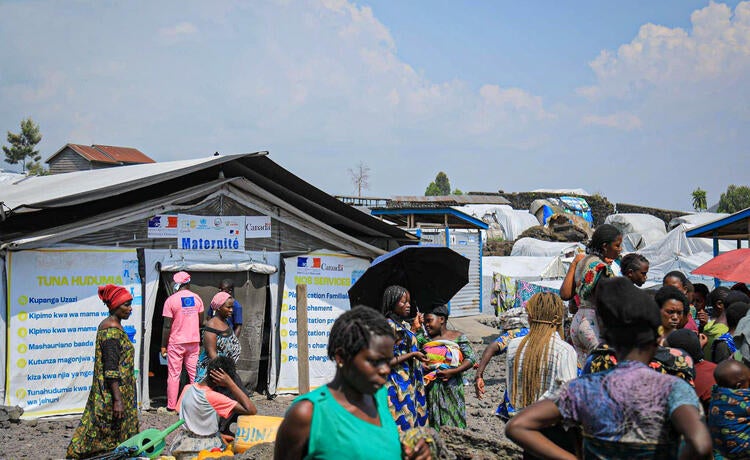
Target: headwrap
x,y
180,278
688,341
629,315
219,299
114,296
440,310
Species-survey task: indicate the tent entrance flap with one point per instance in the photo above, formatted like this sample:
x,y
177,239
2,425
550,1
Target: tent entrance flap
x,y
251,290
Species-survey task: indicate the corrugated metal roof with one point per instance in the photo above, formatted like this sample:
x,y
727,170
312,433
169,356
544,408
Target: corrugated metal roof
x,y
108,154
89,153
124,154
80,186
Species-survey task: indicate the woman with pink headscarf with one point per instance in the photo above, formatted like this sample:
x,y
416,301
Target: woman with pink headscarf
x,y
217,336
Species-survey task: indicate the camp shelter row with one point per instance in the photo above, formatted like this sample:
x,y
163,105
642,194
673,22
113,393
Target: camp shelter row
x,y
59,233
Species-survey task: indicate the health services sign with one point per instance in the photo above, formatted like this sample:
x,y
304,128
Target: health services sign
x,y
328,277
54,314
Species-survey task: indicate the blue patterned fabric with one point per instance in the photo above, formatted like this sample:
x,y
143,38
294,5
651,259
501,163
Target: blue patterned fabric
x,y
407,398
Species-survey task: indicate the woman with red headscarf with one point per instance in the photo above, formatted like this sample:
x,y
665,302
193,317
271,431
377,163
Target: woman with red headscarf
x,y
111,414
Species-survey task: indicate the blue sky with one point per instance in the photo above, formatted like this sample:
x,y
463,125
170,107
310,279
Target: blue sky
x,y
640,101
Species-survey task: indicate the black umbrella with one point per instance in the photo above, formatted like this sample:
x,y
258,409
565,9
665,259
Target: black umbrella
x,y
432,274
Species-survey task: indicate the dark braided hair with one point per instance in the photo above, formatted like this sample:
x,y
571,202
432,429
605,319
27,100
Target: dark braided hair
x,y
352,331
604,234
632,262
666,293
391,296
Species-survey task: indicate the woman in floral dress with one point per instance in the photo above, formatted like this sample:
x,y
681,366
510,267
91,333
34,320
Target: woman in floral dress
x,y
111,413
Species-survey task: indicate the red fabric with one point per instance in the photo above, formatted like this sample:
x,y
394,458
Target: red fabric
x,y
690,325
704,379
114,296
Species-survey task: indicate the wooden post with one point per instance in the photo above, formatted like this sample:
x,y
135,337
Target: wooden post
x,y
303,365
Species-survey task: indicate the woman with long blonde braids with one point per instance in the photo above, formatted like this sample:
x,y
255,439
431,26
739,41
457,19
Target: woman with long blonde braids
x,y
540,362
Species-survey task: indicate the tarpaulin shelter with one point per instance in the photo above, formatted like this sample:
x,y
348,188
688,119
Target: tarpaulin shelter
x,y
81,219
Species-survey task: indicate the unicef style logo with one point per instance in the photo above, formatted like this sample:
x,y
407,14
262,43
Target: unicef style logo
x,y
23,300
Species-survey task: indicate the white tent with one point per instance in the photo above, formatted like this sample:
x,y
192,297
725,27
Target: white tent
x,y
678,252
696,219
523,268
511,221
638,230
539,248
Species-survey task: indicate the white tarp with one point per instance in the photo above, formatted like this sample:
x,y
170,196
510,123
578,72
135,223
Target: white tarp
x,y
54,315
678,252
519,268
513,222
539,248
638,230
563,191
696,219
328,277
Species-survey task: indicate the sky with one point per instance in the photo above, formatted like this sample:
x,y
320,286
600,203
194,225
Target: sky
x,y
639,101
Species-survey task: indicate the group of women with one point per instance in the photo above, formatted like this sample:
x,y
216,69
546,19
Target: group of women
x,y
111,416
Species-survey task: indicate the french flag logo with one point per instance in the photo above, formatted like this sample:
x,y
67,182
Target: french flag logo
x,y
301,262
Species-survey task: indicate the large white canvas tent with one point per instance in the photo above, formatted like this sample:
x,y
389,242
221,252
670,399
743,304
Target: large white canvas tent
x,y
61,220
538,248
638,230
510,222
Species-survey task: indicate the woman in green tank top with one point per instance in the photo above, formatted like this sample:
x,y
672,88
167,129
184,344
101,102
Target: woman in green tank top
x,y
349,417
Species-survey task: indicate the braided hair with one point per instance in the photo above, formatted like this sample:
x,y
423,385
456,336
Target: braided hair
x,y
354,329
546,312
391,297
604,234
224,363
632,263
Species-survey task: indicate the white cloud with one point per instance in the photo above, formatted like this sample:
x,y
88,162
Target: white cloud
x,y
177,32
623,121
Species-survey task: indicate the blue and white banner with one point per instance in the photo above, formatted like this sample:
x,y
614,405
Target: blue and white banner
x,y
211,232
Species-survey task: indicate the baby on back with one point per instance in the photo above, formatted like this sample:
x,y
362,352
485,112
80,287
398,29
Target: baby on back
x,y
728,412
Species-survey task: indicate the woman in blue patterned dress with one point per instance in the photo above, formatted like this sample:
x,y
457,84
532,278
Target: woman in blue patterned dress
x,y
405,385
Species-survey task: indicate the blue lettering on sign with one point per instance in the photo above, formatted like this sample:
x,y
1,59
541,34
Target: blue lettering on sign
x,y
188,302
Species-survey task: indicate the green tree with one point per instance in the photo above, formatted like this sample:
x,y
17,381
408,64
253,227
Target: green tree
x,y
22,145
458,192
440,186
736,198
699,200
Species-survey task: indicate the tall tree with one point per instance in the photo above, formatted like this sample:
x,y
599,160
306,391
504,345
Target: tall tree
x,y
440,186
699,200
22,145
360,177
736,198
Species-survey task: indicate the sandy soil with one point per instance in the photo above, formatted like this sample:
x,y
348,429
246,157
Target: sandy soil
x,y
483,439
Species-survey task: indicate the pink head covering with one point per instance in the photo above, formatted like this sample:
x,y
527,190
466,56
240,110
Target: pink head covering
x,y
114,296
219,299
181,277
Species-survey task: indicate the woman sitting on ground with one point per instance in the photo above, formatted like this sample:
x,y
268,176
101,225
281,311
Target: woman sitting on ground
x,y
449,354
349,417
201,405
626,412
405,385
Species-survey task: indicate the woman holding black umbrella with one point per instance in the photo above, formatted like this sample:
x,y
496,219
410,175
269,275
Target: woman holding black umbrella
x,y
407,398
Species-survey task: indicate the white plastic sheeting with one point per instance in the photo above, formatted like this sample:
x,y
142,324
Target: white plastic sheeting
x,y
563,191
513,222
678,252
524,268
539,248
638,230
696,219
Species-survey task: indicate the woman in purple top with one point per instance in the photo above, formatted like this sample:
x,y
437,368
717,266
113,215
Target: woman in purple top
x,y
627,412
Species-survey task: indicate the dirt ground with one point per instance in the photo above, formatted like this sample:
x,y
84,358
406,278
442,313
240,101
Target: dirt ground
x,y
483,439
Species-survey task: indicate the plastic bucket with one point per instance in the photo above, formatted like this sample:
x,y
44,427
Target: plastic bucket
x,y
255,429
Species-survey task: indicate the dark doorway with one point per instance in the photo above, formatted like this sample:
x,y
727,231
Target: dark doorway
x,y
252,291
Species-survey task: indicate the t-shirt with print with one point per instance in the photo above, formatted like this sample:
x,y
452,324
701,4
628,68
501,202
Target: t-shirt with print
x,y
185,309
625,411
200,407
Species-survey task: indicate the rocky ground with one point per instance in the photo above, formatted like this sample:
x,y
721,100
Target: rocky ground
x,y
483,439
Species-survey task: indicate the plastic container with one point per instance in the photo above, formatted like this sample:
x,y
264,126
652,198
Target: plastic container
x,y
255,429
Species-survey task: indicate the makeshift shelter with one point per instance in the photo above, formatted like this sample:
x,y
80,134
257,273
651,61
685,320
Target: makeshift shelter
x,y
695,219
504,221
136,226
638,230
501,277
539,248
735,227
